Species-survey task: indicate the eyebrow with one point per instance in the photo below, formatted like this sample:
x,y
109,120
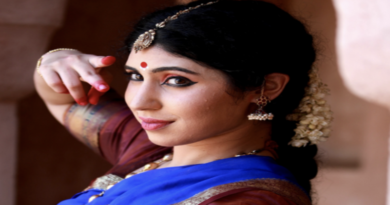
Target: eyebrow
x,y
161,69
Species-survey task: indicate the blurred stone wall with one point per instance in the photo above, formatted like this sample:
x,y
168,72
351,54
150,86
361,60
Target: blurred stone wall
x,y
363,50
25,29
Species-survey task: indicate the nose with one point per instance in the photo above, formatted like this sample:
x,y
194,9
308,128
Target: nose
x,y
143,96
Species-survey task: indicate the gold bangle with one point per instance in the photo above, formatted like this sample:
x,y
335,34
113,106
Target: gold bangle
x,y
52,51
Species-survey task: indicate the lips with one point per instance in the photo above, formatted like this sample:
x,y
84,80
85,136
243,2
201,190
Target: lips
x,y
153,124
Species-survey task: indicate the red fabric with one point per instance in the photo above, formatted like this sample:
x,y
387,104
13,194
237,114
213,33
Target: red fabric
x,y
252,197
125,144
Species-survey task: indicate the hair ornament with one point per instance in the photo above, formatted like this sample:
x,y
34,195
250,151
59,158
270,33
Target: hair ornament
x,y
313,114
146,39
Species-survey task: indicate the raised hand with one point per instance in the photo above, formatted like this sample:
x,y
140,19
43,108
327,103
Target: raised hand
x,y
64,70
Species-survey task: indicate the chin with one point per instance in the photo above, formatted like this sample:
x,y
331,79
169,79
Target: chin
x,y
161,141
164,141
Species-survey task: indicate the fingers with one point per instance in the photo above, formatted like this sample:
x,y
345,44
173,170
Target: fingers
x,y
63,71
99,61
54,81
94,95
92,77
108,60
71,81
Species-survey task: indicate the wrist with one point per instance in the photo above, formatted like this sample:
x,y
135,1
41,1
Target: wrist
x,y
39,62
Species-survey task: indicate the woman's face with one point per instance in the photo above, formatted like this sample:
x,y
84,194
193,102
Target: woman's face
x,y
178,101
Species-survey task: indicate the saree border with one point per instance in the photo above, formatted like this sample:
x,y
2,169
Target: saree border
x,y
277,186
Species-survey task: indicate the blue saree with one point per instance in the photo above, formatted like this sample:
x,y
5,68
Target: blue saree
x,y
197,183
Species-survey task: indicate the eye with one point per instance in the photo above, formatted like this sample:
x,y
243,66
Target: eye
x,y
135,76
178,81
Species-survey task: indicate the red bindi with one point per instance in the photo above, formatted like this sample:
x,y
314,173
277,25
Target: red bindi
x,y
144,65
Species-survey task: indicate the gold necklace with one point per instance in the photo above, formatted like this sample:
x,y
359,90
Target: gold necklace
x,y
114,179
150,166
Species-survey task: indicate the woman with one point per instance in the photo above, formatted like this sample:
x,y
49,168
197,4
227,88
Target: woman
x,y
195,126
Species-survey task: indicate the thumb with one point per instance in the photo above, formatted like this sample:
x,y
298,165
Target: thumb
x,y
100,61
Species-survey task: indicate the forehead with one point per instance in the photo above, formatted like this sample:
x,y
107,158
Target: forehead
x,y
156,57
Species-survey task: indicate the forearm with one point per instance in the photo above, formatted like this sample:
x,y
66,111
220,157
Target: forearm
x,y
57,103
85,122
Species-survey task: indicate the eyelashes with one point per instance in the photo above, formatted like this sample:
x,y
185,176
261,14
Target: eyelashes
x,y
174,81
132,76
178,81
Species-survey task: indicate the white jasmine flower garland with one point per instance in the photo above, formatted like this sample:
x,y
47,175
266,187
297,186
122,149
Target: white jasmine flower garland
x,y
313,114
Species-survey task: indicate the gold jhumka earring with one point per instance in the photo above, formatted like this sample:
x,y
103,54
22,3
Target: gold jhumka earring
x,y
260,114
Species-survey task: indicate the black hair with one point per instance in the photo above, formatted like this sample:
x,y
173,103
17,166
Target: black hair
x,y
246,40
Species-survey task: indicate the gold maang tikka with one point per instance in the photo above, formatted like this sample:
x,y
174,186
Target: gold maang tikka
x,y
146,39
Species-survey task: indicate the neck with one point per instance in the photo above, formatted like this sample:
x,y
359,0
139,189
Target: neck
x,y
243,139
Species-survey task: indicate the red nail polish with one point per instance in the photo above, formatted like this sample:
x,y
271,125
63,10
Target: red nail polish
x,y
101,86
93,101
82,101
108,60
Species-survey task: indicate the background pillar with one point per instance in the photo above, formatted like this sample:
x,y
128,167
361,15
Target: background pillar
x,y
8,144
25,30
363,49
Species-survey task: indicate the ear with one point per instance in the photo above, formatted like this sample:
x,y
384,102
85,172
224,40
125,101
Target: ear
x,y
274,85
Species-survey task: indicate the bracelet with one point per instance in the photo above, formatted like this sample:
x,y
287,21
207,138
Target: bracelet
x,y
52,51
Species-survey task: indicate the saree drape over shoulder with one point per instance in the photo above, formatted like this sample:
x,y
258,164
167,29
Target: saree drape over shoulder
x,y
111,130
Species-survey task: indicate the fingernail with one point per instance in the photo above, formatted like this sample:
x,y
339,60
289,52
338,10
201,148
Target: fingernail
x,y
108,60
82,103
102,87
93,101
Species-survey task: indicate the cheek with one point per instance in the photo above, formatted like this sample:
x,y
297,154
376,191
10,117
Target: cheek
x,y
129,94
207,113
197,103
199,113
